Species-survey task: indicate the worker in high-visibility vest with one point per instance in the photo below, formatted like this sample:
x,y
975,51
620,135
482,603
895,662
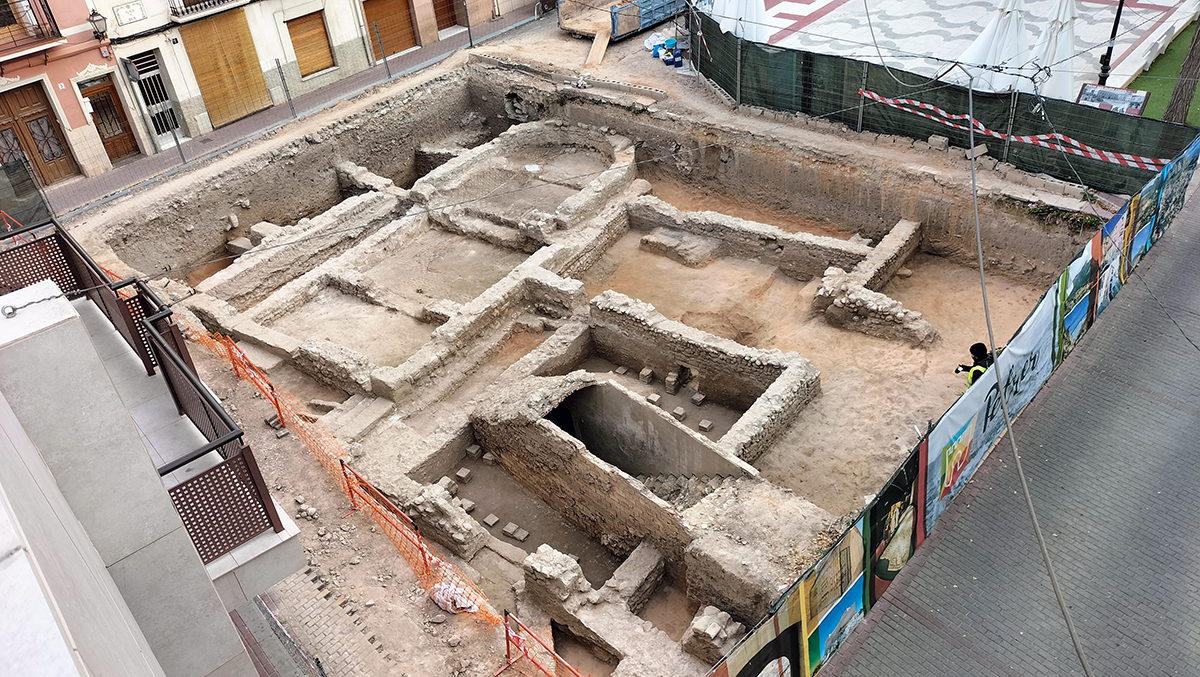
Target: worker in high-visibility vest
x,y
981,359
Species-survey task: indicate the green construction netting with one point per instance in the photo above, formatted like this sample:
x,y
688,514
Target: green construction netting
x,y
827,86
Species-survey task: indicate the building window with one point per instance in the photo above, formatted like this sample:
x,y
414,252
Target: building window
x,y
311,43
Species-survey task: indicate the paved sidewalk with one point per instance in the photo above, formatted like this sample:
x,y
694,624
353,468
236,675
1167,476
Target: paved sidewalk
x,y
71,197
318,619
1110,451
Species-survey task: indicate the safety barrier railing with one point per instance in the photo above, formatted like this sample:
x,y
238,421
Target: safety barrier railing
x,y
223,506
445,583
226,505
517,636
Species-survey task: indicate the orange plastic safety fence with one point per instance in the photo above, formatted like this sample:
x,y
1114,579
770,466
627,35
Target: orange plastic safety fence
x,y
442,579
517,645
438,576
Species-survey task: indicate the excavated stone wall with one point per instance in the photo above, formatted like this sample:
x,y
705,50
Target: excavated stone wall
x,y
618,426
597,497
632,333
795,169
799,255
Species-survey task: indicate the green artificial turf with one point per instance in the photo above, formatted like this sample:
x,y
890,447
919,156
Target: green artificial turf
x,y
1160,79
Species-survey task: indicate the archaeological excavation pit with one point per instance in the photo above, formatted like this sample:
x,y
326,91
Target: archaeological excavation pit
x,y
652,344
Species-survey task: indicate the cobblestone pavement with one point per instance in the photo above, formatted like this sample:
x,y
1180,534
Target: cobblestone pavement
x,y
318,620
1110,451
944,29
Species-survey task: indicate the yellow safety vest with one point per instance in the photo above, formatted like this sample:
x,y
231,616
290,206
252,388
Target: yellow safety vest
x,y
974,373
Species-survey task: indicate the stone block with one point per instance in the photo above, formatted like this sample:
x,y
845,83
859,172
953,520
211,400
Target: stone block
x,y
474,451
939,142
449,485
463,476
679,413
621,371
638,577
672,382
439,519
510,529
698,399
705,425
552,577
711,635
489,459
263,230
521,535
978,151
655,399
491,520
238,246
646,375
467,505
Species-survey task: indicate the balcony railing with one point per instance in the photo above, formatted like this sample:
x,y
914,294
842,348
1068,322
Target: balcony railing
x,y
183,8
25,23
223,506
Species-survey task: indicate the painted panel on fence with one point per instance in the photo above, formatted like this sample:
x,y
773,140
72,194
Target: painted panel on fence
x,y
1111,278
776,641
1175,180
1076,298
834,597
897,524
958,442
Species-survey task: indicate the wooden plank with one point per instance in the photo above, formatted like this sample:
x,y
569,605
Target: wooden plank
x,y
599,46
311,43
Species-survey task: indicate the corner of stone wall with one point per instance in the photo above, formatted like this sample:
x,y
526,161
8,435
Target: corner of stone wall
x,y
334,365
550,294
774,410
446,523
849,300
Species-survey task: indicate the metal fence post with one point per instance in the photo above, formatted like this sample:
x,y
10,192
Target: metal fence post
x,y
286,92
738,74
862,98
378,39
1012,114
467,18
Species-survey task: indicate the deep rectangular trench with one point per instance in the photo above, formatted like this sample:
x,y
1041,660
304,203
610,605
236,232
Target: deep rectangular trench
x,y
285,181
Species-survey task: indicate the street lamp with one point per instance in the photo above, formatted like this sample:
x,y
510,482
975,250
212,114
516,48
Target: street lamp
x,y
99,25
1106,58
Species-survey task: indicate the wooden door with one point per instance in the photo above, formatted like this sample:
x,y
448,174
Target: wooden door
x,y
444,11
395,26
311,43
225,62
27,119
109,117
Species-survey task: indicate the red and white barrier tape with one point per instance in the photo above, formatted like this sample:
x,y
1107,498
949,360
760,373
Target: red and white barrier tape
x,y
1051,141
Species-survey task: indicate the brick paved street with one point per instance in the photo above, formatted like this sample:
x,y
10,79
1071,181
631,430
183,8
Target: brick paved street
x,y
1109,448
317,620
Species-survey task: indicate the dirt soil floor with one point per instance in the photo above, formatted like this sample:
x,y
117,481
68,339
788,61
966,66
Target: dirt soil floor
x,y
875,393
692,199
440,265
357,560
385,336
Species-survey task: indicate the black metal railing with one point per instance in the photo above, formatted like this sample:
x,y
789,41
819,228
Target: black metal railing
x,y
24,23
223,506
182,8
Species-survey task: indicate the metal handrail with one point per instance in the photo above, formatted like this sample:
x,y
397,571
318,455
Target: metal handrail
x,y
235,431
36,18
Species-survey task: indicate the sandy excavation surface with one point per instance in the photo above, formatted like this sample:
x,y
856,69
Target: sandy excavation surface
x,y
356,558
873,392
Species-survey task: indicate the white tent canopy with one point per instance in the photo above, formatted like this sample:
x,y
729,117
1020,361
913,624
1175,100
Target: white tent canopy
x,y
746,19
1004,44
1056,51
